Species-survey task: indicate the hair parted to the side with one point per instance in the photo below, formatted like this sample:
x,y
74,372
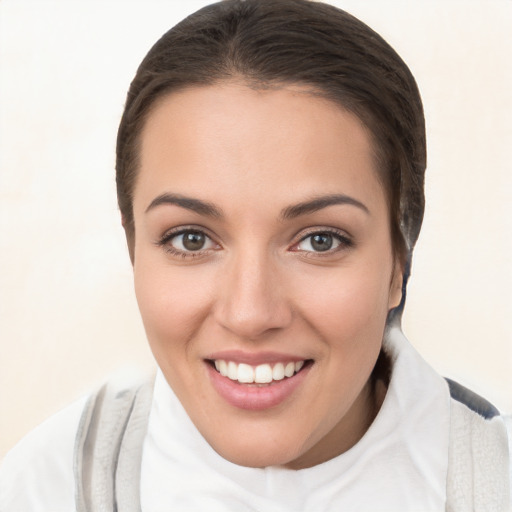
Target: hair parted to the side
x,y
270,43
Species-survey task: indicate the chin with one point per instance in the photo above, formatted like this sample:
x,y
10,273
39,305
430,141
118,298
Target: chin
x,y
258,454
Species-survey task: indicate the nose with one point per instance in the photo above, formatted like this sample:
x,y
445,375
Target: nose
x,y
251,299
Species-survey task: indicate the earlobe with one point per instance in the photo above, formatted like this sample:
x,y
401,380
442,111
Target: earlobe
x,y
395,290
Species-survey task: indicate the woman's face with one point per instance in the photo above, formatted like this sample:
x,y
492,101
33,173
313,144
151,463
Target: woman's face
x,y
264,269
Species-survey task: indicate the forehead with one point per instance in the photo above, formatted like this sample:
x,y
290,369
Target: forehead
x,y
229,140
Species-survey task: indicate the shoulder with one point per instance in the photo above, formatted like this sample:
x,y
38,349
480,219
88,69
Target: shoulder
x,y
37,474
479,456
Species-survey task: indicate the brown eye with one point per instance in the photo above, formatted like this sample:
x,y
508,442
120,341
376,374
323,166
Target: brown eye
x,y
324,241
193,241
321,242
190,241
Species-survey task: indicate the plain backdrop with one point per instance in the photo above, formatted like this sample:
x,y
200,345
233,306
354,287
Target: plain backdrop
x,y
68,316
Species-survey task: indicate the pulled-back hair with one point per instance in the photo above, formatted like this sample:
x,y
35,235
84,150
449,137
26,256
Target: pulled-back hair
x,y
270,43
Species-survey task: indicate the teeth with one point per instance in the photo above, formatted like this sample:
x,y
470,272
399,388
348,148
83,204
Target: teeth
x,y
261,374
232,370
223,368
289,369
245,374
278,372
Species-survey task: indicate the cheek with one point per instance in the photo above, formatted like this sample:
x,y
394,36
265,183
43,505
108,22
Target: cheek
x,y
347,301
172,304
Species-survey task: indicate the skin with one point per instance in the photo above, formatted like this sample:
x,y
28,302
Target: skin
x,y
258,284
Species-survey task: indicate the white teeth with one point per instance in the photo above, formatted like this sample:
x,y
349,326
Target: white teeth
x,y
223,368
289,369
232,370
278,372
245,374
261,374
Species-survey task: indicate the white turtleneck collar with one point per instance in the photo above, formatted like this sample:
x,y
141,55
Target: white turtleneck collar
x,y
400,464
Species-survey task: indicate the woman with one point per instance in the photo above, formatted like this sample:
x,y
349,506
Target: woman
x,y
270,167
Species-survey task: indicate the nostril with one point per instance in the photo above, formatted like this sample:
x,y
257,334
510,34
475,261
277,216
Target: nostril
x,y
254,320
250,302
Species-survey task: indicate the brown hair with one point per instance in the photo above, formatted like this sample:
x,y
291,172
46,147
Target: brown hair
x,y
275,42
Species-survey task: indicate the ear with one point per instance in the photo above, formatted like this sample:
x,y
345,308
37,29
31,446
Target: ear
x,y
396,285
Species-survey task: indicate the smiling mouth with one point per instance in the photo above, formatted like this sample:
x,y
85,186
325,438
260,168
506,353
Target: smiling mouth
x,y
260,375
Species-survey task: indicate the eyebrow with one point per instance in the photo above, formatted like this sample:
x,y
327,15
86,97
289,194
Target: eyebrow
x,y
318,203
189,203
291,212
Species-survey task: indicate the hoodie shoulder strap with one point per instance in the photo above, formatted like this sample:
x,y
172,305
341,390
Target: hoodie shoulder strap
x,y
478,460
108,449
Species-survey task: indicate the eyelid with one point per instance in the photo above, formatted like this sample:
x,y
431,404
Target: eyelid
x,y
179,230
346,240
165,239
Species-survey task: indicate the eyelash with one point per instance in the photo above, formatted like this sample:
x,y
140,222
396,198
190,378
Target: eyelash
x,y
345,242
164,242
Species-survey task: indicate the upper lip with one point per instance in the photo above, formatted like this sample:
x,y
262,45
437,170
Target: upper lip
x,y
254,358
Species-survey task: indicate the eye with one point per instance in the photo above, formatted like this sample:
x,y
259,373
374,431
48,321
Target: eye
x,y
190,241
323,241
186,242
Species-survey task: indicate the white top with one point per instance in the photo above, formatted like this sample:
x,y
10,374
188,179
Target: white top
x,y
400,464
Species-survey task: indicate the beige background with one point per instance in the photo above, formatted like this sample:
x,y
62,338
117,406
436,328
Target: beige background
x,y
68,313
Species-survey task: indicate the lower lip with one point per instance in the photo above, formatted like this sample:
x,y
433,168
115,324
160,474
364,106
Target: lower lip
x,y
253,397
